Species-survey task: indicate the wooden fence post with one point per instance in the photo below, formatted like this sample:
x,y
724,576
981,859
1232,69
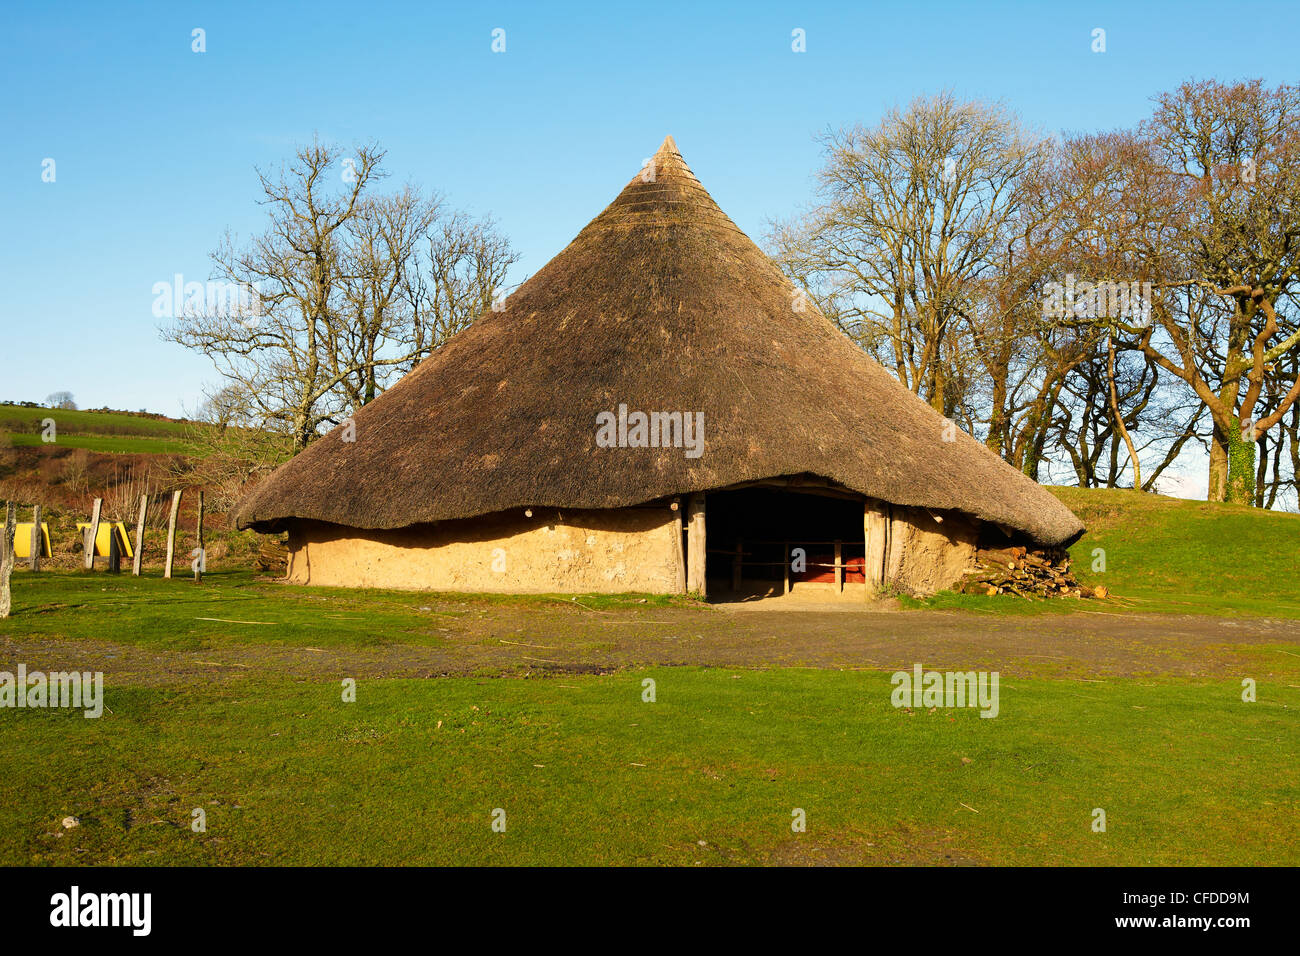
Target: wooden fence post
x,y
138,560
92,533
114,552
38,541
171,533
200,560
7,559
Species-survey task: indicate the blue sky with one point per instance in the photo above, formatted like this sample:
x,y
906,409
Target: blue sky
x,y
155,145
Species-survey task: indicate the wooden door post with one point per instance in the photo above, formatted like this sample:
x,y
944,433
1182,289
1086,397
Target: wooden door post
x,y
875,533
897,536
695,553
679,554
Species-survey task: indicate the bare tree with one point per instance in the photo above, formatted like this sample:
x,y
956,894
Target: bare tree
x,y
911,214
1224,166
336,319
458,271
936,234
224,407
376,325
933,239
1023,352
279,358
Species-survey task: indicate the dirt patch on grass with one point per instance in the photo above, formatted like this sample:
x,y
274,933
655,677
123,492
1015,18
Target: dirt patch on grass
x,y
518,641
902,848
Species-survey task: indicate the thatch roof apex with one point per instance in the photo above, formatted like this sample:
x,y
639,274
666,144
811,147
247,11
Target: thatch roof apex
x,y
661,303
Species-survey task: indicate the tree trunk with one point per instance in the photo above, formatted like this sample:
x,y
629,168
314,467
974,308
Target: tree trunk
x,y
998,422
1241,466
301,434
1218,473
937,387
1119,417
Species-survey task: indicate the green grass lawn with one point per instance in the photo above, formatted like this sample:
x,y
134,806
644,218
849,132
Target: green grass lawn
x,y
178,615
1170,555
243,717
709,773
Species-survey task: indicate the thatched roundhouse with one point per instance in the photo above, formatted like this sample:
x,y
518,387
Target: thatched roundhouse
x,y
657,410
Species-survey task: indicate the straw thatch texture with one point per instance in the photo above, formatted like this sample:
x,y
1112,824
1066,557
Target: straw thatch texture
x,y
663,304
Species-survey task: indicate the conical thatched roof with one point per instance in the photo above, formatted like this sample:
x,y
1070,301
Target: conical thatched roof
x,y
660,303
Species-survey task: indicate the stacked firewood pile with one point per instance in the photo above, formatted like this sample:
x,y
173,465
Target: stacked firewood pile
x,y
1030,574
273,555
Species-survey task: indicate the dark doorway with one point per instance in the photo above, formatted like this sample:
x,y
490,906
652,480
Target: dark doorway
x,y
752,535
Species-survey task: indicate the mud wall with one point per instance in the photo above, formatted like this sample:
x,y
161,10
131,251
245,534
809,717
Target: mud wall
x,y
928,555
630,549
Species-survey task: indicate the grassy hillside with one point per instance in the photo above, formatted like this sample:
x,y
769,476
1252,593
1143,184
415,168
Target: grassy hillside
x,y
1169,555
112,455
108,432
1192,556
